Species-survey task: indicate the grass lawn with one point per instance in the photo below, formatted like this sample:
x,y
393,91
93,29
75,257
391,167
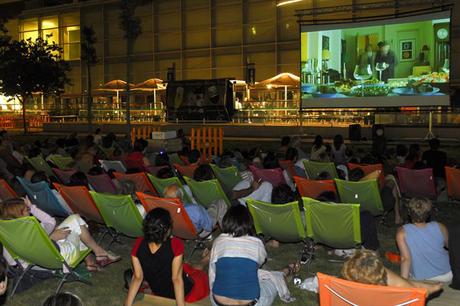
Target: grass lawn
x,y
107,288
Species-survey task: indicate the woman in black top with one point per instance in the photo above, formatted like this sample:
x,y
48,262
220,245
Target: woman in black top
x,y
158,258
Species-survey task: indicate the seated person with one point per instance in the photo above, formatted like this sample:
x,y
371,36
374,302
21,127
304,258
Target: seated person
x,y
128,187
423,245
285,145
249,188
3,278
271,162
203,173
71,236
435,159
40,176
204,220
367,268
136,160
78,179
194,157
324,176
235,276
319,150
168,172
299,167
158,258
63,299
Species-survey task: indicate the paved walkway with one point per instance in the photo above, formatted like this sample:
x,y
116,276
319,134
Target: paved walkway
x,y
449,297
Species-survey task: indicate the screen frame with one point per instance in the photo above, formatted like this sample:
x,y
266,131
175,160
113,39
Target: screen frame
x,y
445,12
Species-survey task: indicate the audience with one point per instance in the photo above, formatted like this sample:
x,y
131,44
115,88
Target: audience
x,y
159,259
423,244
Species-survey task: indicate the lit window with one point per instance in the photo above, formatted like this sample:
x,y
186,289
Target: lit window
x,y
50,22
71,37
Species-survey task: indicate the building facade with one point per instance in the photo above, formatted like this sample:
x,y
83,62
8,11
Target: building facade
x,y
202,38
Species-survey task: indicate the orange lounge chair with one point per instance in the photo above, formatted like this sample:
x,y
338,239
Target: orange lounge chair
x,y
182,225
453,183
141,180
334,291
186,170
312,188
80,201
6,192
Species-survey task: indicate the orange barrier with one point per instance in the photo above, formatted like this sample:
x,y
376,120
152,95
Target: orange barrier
x,y
209,141
15,121
143,132
453,183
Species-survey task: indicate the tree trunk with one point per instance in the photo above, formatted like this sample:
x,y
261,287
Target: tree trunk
x,y
23,100
128,80
89,98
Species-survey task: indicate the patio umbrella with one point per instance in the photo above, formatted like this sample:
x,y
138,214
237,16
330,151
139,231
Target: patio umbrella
x,y
117,86
284,79
150,85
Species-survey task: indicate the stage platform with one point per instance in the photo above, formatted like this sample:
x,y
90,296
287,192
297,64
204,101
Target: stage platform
x,y
269,132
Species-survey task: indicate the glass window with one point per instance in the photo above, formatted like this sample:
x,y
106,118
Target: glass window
x,y
29,25
51,35
29,35
49,22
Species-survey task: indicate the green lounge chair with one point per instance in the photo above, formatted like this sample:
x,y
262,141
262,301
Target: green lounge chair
x,y
228,177
25,239
282,222
366,193
62,162
119,213
207,192
314,169
334,224
161,184
39,164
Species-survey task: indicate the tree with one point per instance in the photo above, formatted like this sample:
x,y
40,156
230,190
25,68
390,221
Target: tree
x,y
88,55
131,25
28,66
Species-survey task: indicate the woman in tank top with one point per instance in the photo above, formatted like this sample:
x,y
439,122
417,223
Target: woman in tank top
x,y
423,245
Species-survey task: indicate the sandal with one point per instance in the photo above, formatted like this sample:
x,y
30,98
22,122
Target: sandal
x,y
105,260
93,267
291,269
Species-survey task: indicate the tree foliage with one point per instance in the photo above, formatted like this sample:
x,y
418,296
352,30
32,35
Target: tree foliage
x,y
28,66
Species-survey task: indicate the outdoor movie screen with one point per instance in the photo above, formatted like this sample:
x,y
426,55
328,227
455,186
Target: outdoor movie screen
x,y
387,63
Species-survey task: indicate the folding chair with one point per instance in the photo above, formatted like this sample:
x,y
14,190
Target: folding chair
x,y
453,183
41,195
334,291
161,184
366,193
182,224
313,169
102,183
153,170
39,164
207,192
6,192
288,165
416,183
140,180
282,222
186,170
80,201
62,162
313,189
334,224
25,239
64,175
228,177
120,214
273,176
116,165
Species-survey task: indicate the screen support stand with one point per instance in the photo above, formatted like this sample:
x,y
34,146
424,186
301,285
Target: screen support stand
x,y
430,134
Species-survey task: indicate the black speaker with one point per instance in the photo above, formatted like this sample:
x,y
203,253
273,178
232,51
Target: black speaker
x,y
378,130
354,132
